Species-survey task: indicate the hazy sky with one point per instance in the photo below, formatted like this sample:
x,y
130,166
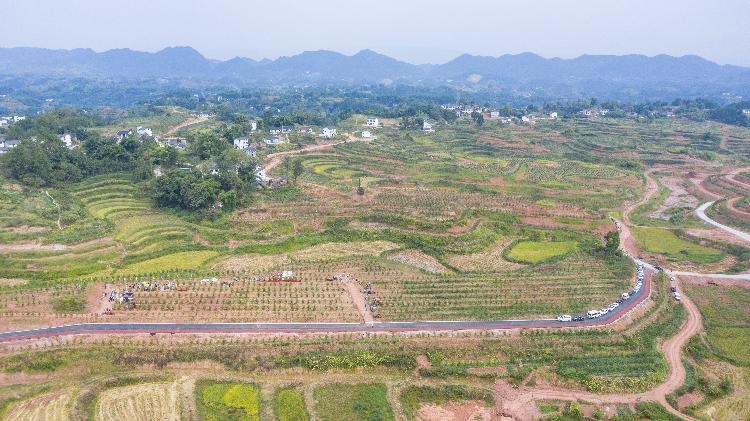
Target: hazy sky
x,y
417,31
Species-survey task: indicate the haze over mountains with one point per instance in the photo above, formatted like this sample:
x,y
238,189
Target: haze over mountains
x,y
601,75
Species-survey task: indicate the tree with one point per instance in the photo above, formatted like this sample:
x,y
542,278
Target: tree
x,y
207,144
28,163
297,169
478,118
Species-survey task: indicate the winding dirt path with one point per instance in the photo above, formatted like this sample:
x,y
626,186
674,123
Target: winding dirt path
x,y
189,122
519,403
652,189
731,207
273,160
57,205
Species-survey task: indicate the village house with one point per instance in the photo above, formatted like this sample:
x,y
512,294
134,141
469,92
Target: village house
x,y
372,122
122,134
253,125
305,130
176,143
746,111
241,142
250,151
6,145
427,127
328,133
273,140
280,129
67,139
366,134
527,119
494,114
553,115
144,131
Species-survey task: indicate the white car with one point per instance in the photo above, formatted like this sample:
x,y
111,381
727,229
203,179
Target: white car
x,y
564,318
625,296
593,314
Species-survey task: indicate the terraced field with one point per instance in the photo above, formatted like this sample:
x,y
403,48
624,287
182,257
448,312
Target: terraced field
x,y
572,285
139,228
148,401
49,407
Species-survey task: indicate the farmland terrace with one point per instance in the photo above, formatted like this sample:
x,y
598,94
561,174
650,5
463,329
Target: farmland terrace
x,y
468,224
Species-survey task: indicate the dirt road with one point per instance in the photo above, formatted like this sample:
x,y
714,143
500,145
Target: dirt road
x,y
519,403
652,189
189,122
273,160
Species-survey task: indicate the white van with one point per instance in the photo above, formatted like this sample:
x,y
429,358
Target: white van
x,y
592,314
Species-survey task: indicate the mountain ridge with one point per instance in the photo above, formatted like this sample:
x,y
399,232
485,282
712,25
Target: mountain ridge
x,y
521,71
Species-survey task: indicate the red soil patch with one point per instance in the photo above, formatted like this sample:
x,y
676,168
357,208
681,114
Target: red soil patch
x,y
541,222
456,411
689,399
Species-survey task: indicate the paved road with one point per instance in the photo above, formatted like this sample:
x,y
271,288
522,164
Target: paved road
x,y
701,212
129,328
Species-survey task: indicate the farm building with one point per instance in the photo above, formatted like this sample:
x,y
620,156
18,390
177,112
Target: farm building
x,y
273,140
328,133
122,134
241,142
144,131
280,129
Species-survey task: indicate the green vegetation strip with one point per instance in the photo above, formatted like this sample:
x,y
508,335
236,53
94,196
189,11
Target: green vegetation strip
x,y
662,241
289,405
360,402
219,401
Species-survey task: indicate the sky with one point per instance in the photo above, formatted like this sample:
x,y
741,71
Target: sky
x,y
416,31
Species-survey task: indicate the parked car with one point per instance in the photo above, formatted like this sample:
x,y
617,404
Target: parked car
x,y
625,296
593,314
578,318
564,318
677,296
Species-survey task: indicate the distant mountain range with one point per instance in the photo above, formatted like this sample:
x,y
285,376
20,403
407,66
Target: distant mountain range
x,y
585,75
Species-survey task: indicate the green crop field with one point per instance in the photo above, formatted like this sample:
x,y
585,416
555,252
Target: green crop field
x,y
662,241
289,405
356,402
535,251
227,401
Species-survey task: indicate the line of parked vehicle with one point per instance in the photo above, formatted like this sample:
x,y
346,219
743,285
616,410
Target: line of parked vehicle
x,y
594,314
673,288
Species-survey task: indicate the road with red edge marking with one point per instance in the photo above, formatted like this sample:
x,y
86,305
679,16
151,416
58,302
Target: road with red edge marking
x,y
419,326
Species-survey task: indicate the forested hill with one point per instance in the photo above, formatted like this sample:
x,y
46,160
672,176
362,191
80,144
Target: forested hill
x,y
617,77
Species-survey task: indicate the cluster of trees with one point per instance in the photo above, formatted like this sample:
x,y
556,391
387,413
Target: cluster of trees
x,y
219,176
